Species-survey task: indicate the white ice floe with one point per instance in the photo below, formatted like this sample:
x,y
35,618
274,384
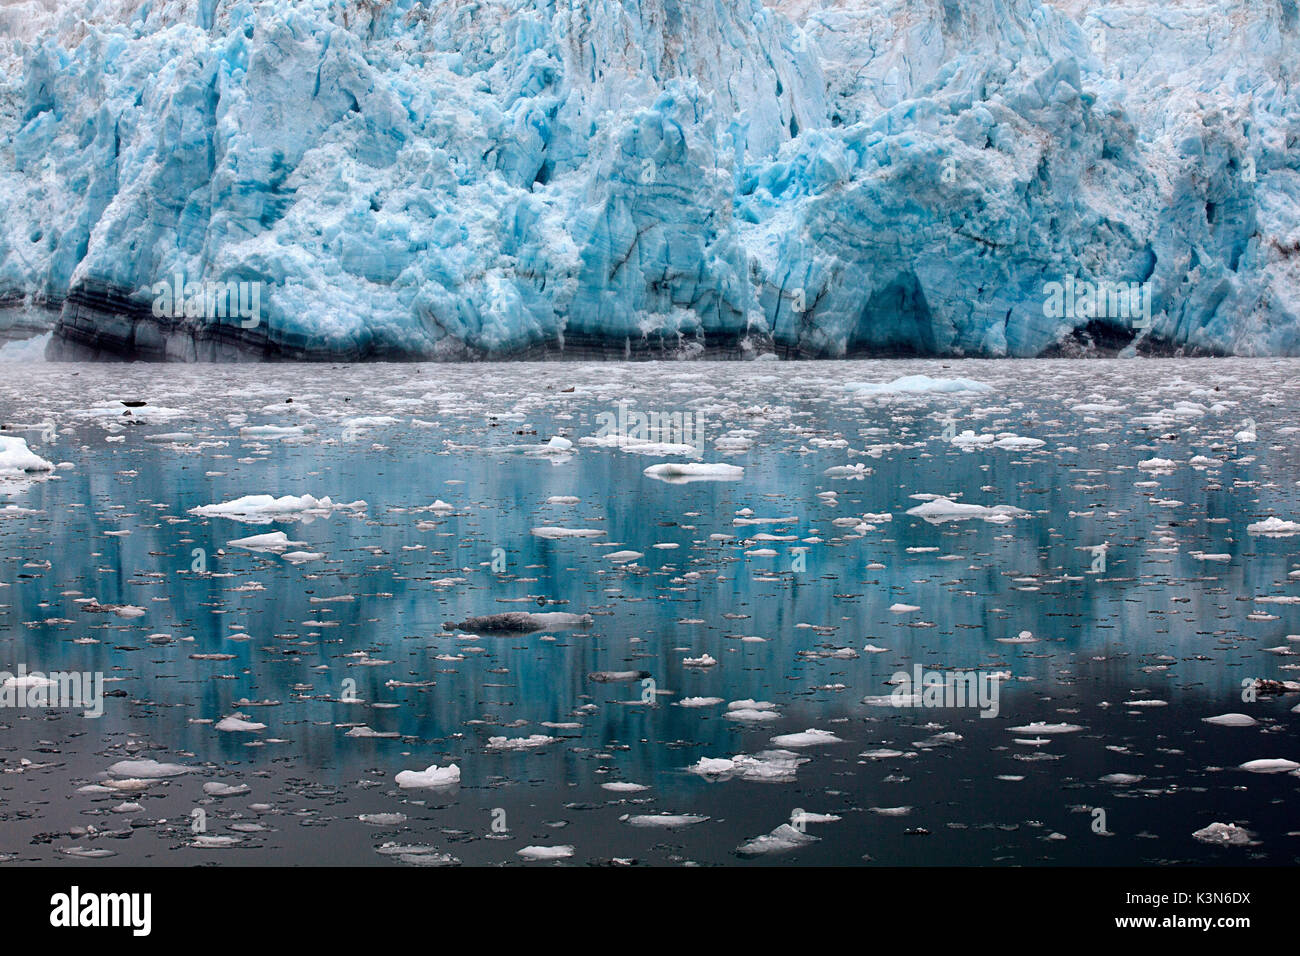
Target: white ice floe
x,y
1224,834
1024,637
768,766
703,660
1274,526
271,541
1040,727
663,821
781,840
941,509
263,509
554,533
17,459
147,769
917,385
808,738
520,743
541,853
429,778
235,724
1270,765
1231,720
677,472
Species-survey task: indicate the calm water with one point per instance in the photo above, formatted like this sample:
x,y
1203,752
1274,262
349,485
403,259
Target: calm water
x,y
1136,653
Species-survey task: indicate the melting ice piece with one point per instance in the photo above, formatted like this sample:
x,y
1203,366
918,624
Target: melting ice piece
x,y
263,509
555,533
520,743
941,509
17,459
679,472
536,853
1274,526
1039,727
917,385
147,769
808,738
1224,834
234,724
1270,765
665,821
781,840
429,778
769,766
1231,720
271,541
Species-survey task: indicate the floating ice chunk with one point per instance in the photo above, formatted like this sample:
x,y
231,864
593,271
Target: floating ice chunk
x,y
704,660
218,789
382,819
1040,727
1157,464
808,738
540,853
430,777
1224,834
1274,526
623,557
769,766
903,608
698,702
680,472
781,840
147,769
941,509
209,841
276,431
1018,443
1024,637
1122,778
623,786
530,742
1270,765
556,533
235,724
1231,720
663,821
17,459
302,557
271,541
917,385
263,509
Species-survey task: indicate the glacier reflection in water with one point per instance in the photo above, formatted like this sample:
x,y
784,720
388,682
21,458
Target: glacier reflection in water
x,y
348,659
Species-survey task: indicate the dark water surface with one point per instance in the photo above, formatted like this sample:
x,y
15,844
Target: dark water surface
x,y
1162,622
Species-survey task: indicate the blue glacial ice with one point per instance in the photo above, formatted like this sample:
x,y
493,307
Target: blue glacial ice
x,y
476,178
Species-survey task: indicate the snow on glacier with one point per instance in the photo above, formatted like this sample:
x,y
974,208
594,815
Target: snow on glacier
x,y
811,177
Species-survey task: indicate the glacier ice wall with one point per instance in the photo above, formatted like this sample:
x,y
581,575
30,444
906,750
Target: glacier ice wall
x,y
469,178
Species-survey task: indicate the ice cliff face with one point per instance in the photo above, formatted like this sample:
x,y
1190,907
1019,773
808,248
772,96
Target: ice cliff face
x,y
516,177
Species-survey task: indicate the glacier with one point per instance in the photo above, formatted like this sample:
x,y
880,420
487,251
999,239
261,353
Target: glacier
x,y
466,179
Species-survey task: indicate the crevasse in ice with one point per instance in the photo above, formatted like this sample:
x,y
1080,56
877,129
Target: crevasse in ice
x,y
474,178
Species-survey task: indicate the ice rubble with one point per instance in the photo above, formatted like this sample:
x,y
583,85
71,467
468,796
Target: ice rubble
x,y
810,177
